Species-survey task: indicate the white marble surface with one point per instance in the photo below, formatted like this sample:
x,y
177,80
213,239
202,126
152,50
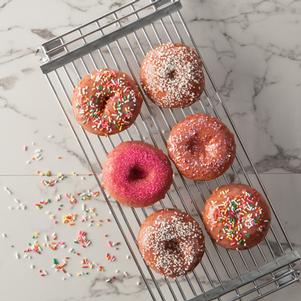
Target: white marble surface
x,y
253,49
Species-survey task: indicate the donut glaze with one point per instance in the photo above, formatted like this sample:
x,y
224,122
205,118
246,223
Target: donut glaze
x,y
171,242
201,147
106,102
172,76
137,174
236,216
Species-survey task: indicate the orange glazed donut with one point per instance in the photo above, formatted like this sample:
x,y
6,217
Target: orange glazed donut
x,y
171,242
201,147
236,216
106,102
172,76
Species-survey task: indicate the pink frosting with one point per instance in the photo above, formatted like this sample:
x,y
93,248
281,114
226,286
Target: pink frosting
x,y
137,174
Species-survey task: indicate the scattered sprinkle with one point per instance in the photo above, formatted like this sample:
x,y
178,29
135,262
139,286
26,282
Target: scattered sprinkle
x,y
69,219
6,189
42,203
82,239
43,273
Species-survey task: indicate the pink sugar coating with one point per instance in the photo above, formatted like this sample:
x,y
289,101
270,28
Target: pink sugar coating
x,y
137,174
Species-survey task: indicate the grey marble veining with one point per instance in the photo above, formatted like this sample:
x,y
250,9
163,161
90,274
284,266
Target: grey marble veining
x,y
253,50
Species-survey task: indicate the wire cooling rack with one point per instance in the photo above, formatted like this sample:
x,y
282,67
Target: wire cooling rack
x,y
119,40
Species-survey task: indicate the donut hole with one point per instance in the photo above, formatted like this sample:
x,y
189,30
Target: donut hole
x,y
193,144
171,74
171,246
103,102
136,173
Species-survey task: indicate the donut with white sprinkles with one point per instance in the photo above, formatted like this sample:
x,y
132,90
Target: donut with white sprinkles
x,y
171,242
106,102
172,75
236,216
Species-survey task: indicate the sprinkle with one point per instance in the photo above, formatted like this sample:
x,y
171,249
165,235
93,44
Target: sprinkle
x,y
35,235
50,183
101,268
6,189
23,207
125,274
69,219
87,264
110,257
43,273
59,266
58,197
46,238
32,266
138,283
41,204
25,147
88,195
128,256
17,201
71,198
82,239
4,235
27,256
55,261
17,255
47,173
34,247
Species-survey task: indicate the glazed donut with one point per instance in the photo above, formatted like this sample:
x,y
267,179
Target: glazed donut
x,y
236,216
106,102
137,174
171,242
172,76
201,147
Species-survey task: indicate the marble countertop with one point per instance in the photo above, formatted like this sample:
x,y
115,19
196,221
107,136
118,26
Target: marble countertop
x,y
253,48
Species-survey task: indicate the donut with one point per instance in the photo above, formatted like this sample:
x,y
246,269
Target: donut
x,y
171,242
106,102
137,174
171,75
236,216
201,147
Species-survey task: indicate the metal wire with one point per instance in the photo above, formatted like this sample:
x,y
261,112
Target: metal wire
x,y
157,288
57,48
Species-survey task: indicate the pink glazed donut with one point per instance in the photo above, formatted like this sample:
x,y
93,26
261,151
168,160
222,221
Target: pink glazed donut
x,y
137,174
